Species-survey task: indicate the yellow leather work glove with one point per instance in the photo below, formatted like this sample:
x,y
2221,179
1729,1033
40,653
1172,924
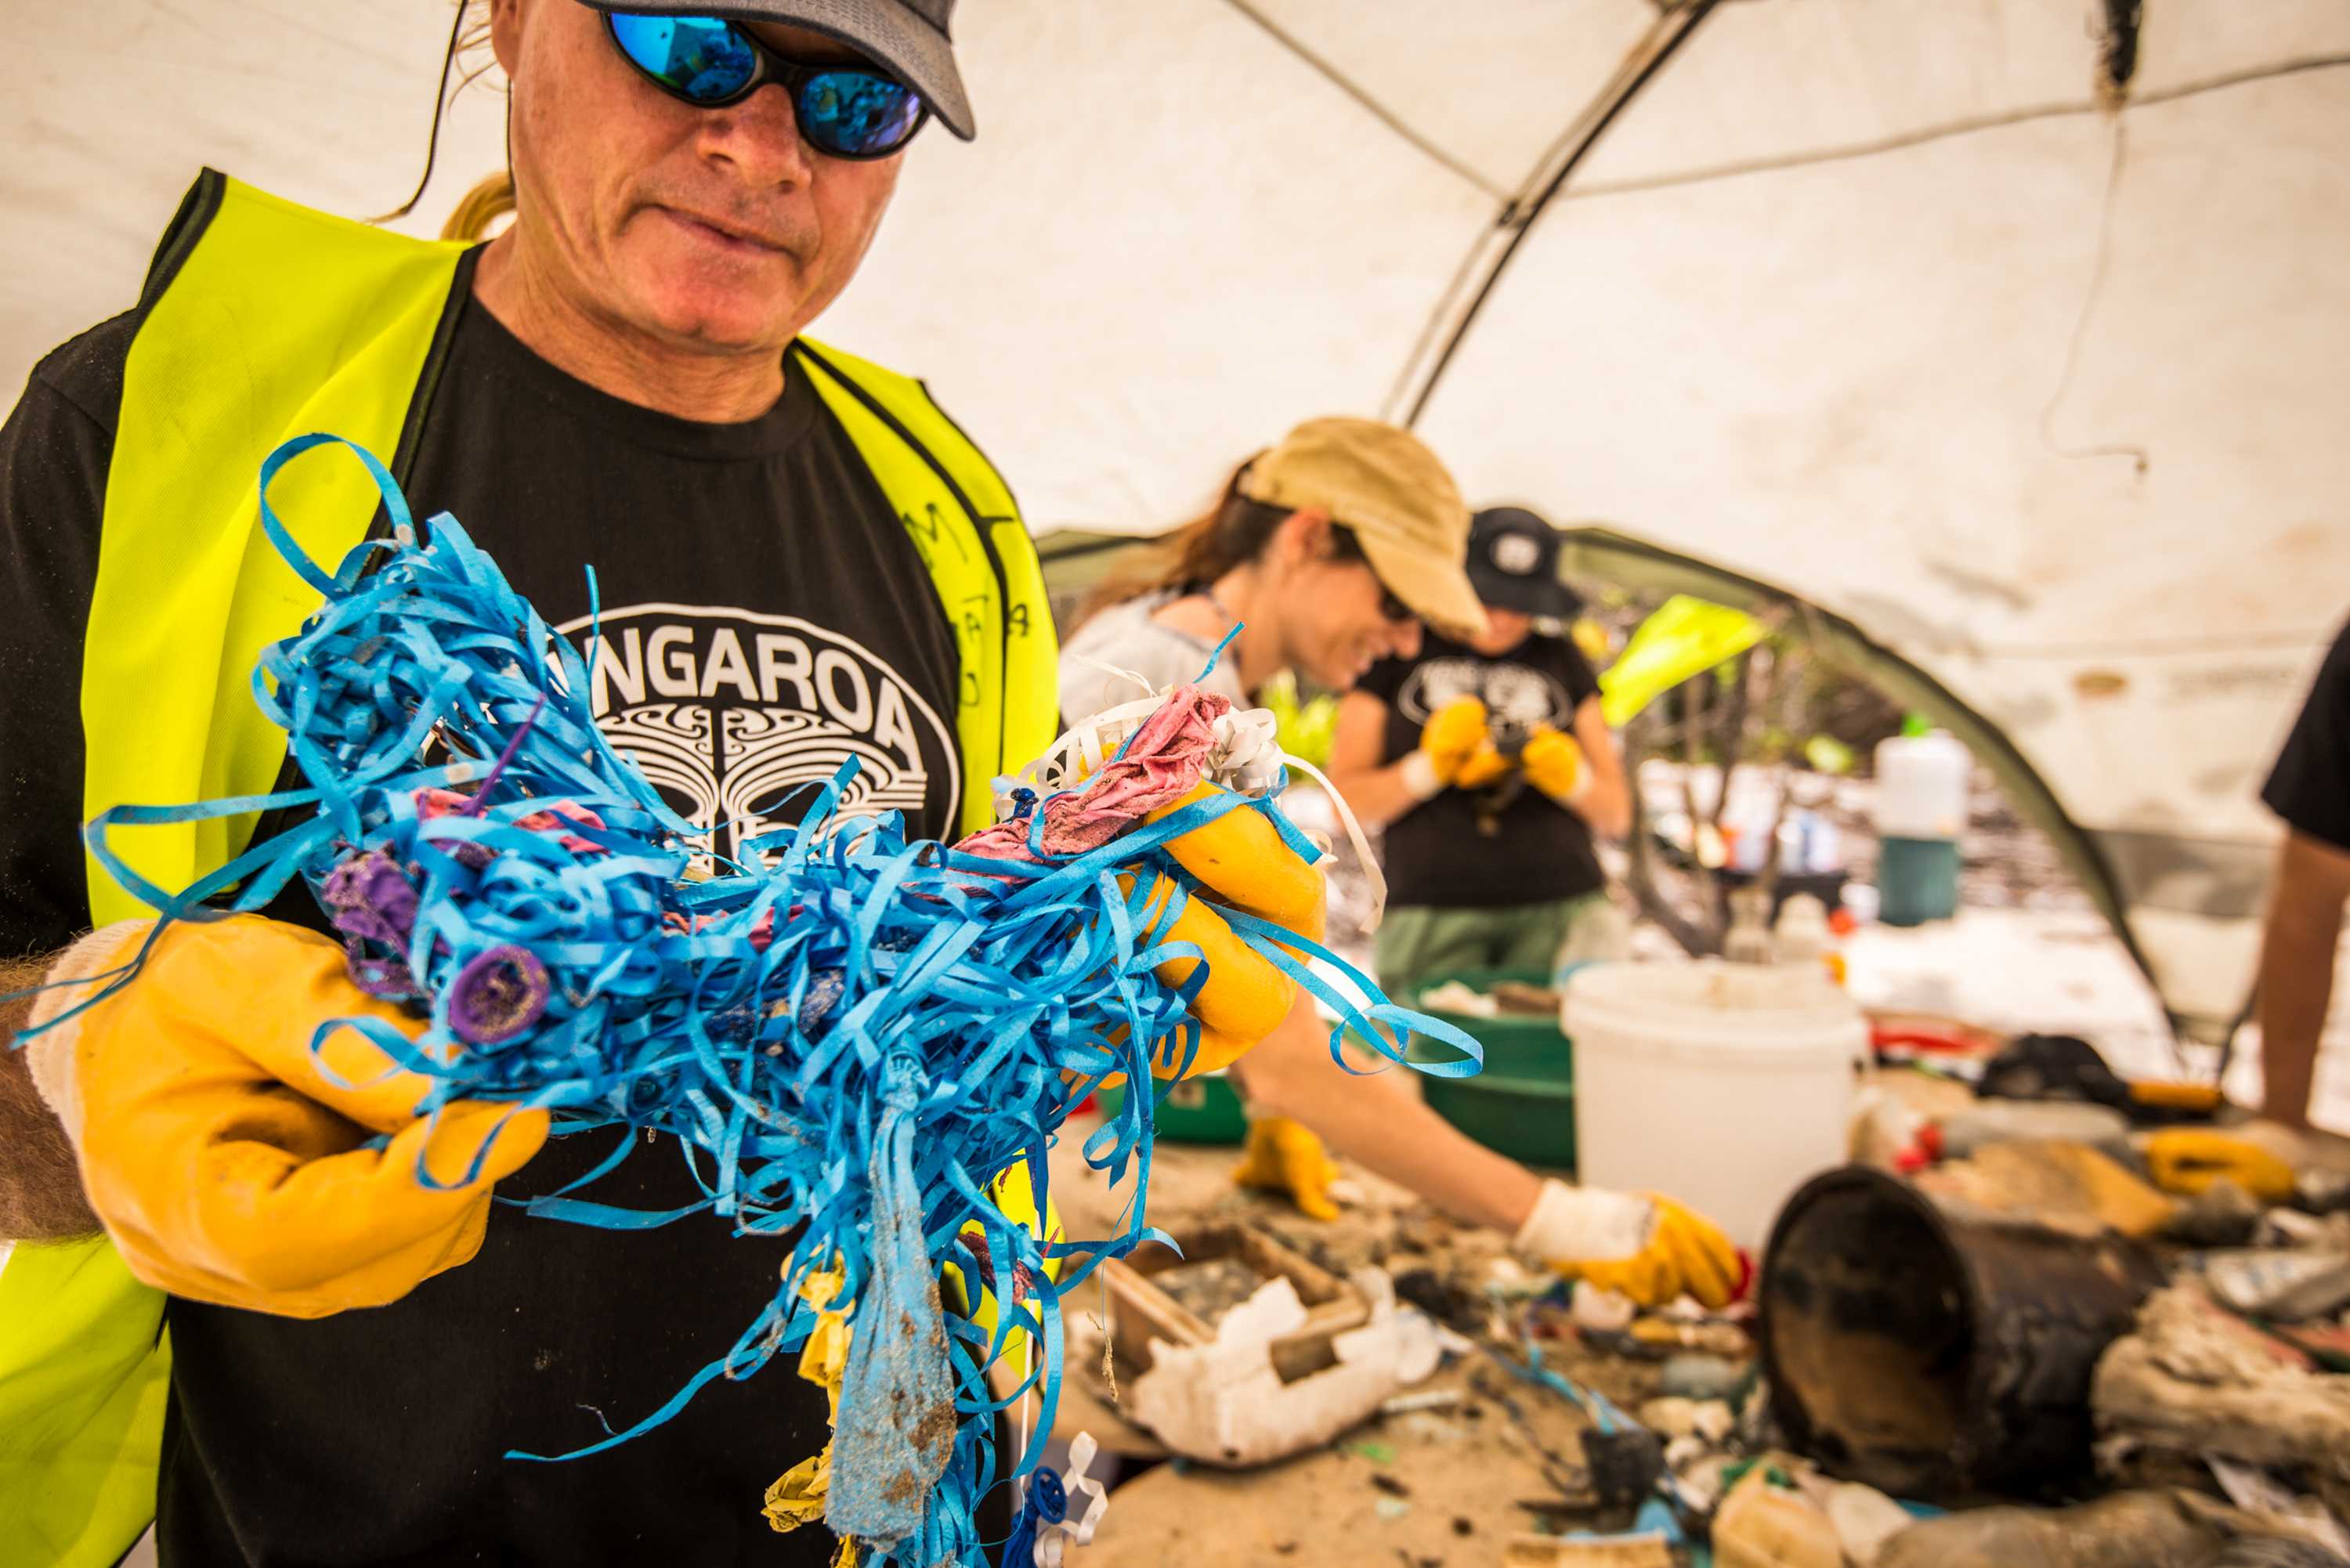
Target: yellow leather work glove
x,y
1485,765
1555,766
1641,1245
1447,741
1284,1156
227,1163
1242,863
2188,1159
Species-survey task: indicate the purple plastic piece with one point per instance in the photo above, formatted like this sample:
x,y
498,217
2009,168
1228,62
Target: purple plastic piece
x,y
500,992
385,978
370,895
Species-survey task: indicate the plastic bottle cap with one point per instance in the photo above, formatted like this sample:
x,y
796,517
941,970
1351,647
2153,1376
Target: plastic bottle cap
x,y
1915,724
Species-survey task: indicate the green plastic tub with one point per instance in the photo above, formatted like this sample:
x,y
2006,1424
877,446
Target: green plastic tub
x,y
1523,1103
1205,1109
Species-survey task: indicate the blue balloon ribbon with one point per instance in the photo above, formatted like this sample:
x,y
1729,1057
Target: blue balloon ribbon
x,y
852,1037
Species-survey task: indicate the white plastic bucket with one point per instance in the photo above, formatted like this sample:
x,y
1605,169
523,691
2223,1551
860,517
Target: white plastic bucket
x,y
1724,1085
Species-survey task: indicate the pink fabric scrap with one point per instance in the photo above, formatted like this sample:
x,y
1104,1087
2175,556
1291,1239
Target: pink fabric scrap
x,y
760,934
1168,756
436,803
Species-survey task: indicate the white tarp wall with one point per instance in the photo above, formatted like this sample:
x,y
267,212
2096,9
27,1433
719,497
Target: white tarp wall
x,y
1866,298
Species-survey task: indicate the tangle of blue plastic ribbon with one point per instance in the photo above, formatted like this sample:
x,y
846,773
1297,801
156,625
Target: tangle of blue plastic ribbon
x,y
852,1037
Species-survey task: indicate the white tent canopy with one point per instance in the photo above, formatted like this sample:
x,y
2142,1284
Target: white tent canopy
x,y
1866,300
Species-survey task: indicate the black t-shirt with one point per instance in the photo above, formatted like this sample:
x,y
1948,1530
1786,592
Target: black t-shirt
x,y
1508,844
2310,785
763,613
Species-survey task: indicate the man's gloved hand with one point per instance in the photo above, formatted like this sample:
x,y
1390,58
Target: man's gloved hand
x,y
1554,764
1642,1245
2188,1159
1286,1155
1242,863
228,1164
1449,738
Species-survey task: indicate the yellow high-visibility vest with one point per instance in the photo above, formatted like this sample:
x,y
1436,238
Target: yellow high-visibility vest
x,y
267,320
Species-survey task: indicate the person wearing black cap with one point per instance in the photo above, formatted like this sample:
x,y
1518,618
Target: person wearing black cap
x,y
1492,768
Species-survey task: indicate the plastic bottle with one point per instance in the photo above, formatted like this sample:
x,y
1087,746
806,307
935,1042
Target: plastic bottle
x,y
1802,935
1922,778
1748,941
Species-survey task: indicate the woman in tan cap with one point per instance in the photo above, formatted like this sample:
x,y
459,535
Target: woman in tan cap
x,y
1330,551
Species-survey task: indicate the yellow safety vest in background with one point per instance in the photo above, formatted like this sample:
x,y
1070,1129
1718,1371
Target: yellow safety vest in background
x,y
267,320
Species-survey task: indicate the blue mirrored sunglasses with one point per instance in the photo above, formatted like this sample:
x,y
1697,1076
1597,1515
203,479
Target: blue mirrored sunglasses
x,y
844,112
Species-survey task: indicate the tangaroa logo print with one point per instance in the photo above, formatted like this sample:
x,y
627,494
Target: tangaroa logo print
x,y
731,714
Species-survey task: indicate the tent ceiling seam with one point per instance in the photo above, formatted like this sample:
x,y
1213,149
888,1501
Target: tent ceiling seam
x,y
1517,220
1947,130
2097,270
1363,97
1510,213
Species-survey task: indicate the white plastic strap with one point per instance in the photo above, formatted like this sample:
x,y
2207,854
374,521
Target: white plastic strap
x,y
1355,835
1077,1528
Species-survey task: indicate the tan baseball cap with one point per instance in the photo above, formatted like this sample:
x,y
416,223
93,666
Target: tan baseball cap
x,y
1383,484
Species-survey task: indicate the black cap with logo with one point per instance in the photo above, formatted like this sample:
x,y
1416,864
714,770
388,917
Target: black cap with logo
x,y
1513,564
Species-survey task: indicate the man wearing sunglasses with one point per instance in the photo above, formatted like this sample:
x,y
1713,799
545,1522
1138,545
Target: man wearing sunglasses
x,y
800,559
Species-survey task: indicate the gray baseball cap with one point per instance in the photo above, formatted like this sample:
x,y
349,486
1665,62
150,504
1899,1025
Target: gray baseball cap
x,y
909,37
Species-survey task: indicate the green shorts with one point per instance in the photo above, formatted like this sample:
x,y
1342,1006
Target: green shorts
x,y
1417,944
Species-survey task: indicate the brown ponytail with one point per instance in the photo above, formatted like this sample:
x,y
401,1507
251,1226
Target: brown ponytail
x,y
1232,533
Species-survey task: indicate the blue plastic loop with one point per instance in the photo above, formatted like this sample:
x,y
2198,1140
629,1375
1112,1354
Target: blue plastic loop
x,y
1051,1497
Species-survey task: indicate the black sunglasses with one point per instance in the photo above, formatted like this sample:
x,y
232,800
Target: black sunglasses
x,y
1348,545
844,110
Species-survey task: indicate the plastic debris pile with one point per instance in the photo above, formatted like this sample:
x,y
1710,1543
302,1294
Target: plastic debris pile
x,y
855,1036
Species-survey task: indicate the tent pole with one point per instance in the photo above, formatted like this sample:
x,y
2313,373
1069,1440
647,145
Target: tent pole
x,y
1456,313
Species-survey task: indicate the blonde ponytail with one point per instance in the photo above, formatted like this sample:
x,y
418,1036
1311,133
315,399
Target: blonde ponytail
x,y
490,199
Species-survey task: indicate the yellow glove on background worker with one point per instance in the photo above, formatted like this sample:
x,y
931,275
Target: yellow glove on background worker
x,y
1457,751
1240,861
1554,764
1451,736
1641,1245
1485,765
225,1161
1287,1156
2187,1160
